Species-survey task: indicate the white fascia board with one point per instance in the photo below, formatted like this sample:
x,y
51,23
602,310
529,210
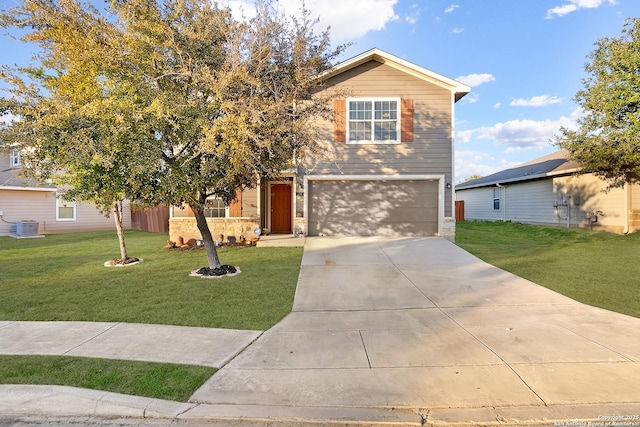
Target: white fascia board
x,y
394,177
11,188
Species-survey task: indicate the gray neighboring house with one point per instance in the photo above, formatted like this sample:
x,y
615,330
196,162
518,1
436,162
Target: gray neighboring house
x,y
548,191
30,207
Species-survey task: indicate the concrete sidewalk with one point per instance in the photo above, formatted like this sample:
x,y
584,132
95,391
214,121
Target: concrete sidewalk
x,y
127,341
390,331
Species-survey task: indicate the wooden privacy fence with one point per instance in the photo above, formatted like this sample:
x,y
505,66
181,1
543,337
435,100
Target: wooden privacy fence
x,y
459,210
155,220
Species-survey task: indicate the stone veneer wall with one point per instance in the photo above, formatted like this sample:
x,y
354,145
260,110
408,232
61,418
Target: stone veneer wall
x,y
230,227
449,229
300,226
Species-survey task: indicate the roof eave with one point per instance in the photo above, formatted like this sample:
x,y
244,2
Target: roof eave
x,y
522,178
19,188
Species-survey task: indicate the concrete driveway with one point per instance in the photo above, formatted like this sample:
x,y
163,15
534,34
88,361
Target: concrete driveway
x,y
419,324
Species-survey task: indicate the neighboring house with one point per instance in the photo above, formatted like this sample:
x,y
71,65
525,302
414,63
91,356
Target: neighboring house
x,y
25,202
387,168
548,191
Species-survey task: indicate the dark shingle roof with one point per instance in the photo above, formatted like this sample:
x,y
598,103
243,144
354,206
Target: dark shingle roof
x,y
553,164
12,178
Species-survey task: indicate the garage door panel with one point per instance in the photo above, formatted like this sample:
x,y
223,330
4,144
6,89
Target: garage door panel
x,y
373,207
414,214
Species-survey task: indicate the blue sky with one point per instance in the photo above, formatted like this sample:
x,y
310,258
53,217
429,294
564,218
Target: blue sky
x,y
523,58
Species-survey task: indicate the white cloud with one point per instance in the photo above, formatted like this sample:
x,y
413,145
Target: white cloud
x,y
457,30
475,80
372,15
497,105
414,15
517,135
451,8
574,5
536,101
464,136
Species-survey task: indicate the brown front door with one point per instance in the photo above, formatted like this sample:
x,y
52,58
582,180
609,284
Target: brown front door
x,y
281,208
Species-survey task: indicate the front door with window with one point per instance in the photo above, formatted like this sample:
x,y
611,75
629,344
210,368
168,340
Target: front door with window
x,y
281,208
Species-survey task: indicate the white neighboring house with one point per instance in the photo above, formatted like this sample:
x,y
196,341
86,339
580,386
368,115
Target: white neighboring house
x,y
25,201
547,191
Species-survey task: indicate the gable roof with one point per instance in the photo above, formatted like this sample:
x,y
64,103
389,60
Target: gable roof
x,y
375,54
543,167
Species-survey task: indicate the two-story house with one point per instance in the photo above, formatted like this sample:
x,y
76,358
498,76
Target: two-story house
x,y
29,202
386,167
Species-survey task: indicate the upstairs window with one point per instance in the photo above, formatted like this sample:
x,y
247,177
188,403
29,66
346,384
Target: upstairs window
x,y
374,121
14,158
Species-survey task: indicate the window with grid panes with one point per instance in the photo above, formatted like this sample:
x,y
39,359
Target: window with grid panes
x,y
373,120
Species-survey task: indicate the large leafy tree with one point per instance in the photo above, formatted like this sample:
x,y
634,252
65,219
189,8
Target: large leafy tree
x,y
607,141
210,103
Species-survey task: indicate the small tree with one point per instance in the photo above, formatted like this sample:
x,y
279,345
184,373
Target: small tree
x,y
472,177
607,141
76,124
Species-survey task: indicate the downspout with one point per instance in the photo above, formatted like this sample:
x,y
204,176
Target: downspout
x,y
504,211
627,200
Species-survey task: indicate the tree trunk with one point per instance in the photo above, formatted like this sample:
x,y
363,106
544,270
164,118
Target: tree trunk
x,y
209,244
117,216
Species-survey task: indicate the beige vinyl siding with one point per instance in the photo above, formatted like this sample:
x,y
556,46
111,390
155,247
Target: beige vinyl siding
x,y
40,206
250,202
590,190
634,203
430,152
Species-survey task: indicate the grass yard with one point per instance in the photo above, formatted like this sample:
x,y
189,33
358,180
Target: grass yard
x,y
62,277
156,380
596,268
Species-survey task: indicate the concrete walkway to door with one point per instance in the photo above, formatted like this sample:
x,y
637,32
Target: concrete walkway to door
x,y
421,326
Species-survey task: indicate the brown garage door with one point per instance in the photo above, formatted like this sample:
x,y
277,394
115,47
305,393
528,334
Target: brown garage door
x,y
373,207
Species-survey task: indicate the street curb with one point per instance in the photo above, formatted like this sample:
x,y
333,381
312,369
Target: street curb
x,y
70,402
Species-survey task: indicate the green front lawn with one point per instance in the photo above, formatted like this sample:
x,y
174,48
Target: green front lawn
x,y
157,380
596,268
62,277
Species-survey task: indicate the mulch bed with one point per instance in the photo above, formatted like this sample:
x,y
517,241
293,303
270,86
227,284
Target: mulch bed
x,y
212,273
123,262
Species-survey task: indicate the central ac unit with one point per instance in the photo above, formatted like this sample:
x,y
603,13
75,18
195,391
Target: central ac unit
x,y
27,228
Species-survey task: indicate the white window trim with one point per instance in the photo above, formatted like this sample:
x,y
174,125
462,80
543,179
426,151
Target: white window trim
x,y
372,140
14,159
226,209
58,206
499,198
